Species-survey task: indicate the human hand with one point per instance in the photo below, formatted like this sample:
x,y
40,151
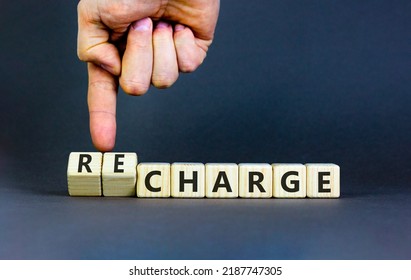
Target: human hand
x,y
153,53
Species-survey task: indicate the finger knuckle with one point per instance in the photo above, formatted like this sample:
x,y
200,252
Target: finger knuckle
x,y
80,6
163,81
102,85
132,87
141,44
81,55
118,9
188,66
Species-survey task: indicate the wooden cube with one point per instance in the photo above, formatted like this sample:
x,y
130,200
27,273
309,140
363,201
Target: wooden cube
x,y
84,174
187,180
119,174
255,180
221,180
153,180
289,180
323,180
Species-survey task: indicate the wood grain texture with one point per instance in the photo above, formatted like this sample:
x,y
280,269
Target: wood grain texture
x,y
119,174
188,180
221,180
84,174
153,180
323,180
255,180
289,180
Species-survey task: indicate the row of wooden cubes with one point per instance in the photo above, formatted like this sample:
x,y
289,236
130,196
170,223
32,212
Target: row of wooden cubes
x,y
119,174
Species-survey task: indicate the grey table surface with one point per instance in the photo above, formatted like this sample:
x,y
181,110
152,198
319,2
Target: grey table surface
x,y
327,81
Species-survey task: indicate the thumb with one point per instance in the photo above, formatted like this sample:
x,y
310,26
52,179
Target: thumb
x,y
93,41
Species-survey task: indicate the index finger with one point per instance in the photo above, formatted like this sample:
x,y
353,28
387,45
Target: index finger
x,y
102,98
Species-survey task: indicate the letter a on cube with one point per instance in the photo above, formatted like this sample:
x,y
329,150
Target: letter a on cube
x,y
221,180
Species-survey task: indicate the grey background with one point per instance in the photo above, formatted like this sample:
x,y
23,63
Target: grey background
x,y
284,81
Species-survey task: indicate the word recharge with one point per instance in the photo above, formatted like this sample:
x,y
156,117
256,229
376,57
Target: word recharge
x,y
119,174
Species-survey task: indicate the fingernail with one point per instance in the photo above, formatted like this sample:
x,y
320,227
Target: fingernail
x,y
142,24
179,27
162,24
